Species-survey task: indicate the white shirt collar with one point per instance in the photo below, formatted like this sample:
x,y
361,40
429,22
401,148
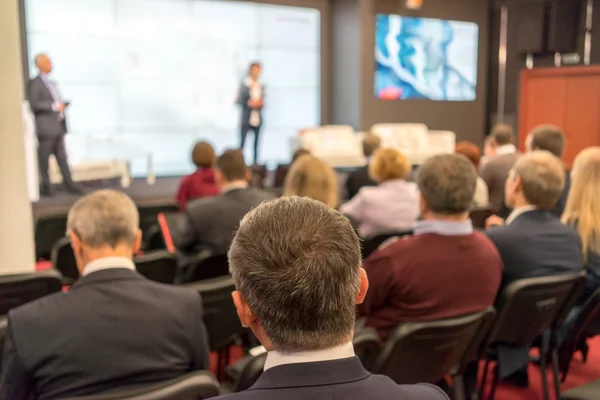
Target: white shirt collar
x,y
518,211
506,149
276,358
108,263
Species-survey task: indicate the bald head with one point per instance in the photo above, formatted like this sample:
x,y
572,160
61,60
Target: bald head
x,y
43,63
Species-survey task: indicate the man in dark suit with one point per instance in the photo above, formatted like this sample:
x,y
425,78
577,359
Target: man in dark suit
x,y
532,242
50,125
552,139
359,178
209,222
251,98
113,328
296,263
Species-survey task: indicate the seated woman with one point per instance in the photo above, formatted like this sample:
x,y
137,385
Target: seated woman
x,y
472,152
311,177
202,182
391,206
582,212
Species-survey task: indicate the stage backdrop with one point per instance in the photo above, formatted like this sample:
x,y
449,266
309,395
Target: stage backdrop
x,y
154,76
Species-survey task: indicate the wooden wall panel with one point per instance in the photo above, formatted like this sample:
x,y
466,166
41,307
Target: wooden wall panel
x,y
582,117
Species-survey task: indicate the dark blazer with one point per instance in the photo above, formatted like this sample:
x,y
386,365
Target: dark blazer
x,y
112,329
327,380
357,179
244,97
47,122
537,244
562,200
210,222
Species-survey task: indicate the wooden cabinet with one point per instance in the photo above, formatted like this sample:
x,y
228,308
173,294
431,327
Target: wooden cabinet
x,y
568,97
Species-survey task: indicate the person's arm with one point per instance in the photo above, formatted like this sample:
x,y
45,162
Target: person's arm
x,y
354,207
182,194
15,381
487,174
200,338
381,282
36,100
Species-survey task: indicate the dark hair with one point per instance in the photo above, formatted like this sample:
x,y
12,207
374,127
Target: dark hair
x,y
203,155
447,183
296,262
469,150
232,165
371,142
549,138
254,64
502,134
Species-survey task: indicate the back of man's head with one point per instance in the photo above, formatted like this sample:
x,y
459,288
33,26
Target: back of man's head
x,y
502,134
370,143
232,166
104,223
549,138
542,178
447,184
296,262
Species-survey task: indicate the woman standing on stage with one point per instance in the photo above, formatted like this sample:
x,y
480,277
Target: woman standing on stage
x,y
251,96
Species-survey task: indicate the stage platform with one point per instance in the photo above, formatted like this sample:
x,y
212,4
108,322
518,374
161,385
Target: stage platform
x,y
162,192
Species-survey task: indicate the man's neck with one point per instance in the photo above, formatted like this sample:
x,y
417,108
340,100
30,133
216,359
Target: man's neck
x,y
430,216
237,184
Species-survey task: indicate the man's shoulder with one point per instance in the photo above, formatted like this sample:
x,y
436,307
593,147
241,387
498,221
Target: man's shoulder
x,y
40,310
420,391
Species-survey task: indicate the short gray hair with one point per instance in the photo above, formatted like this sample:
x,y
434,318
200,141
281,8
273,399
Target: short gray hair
x,y
542,177
104,218
447,183
296,262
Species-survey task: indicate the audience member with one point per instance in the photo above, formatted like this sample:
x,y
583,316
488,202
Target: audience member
x,y
296,263
552,139
495,171
488,150
533,242
390,207
209,223
362,177
582,212
311,177
282,170
472,152
201,183
446,269
113,328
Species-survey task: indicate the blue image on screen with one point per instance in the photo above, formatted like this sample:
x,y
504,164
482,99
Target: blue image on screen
x,y
424,58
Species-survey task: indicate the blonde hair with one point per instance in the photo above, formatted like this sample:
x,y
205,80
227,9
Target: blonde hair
x,y
583,205
388,164
311,177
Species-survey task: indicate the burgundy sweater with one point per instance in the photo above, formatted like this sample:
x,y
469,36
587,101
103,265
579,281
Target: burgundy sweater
x,y
429,277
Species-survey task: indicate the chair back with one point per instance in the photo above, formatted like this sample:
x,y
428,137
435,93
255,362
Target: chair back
x,y
63,260
154,239
197,385
250,373
479,215
3,326
426,351
220,315
148,217
208,267
48,230
16,290
367,346
370,245
528,307
159,266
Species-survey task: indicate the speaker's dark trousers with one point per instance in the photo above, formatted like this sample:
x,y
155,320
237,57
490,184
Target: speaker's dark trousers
x,y
244,133
53,145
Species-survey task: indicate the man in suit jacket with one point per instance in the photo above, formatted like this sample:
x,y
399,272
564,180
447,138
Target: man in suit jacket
x,y
359,178
251,98
533,242
50,124
495,171
552,139
114,328
296,263
210,222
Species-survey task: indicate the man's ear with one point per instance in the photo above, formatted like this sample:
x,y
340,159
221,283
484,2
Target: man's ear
x,y
75,242
363,287
137,245
423,205
243,310
518,183
248,175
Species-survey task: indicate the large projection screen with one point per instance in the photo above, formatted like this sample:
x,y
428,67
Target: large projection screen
x,y
154,76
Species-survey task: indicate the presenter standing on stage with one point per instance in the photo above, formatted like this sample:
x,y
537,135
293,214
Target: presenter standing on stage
x,y
251,97
50,125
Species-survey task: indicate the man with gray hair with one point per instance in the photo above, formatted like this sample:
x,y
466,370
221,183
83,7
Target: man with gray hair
x,y
113,328
296,264
532,241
